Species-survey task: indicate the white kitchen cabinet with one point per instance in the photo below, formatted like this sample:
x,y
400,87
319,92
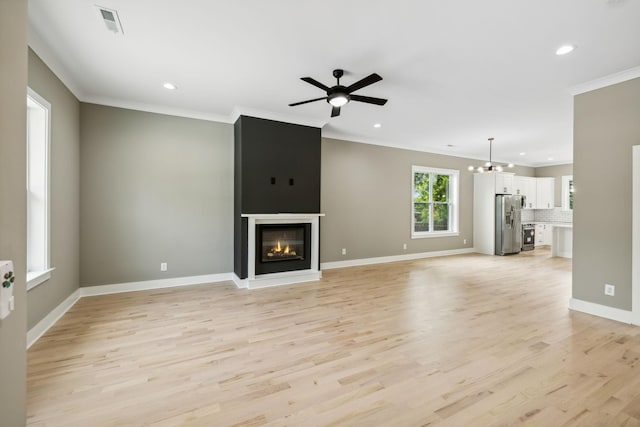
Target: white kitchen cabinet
x,y
525,186
503,183
485,188
544,234
545,193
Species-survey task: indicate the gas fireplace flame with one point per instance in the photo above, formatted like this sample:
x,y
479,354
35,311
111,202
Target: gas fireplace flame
x,y
281,249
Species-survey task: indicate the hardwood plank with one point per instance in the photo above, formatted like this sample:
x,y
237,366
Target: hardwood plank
x,y
462,340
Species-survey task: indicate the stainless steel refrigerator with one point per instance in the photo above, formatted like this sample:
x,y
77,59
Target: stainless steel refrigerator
x,y
508,224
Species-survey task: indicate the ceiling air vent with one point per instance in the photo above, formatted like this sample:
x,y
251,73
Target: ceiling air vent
x,y
110,19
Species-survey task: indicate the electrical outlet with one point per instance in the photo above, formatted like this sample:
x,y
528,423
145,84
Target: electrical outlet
x,y
163,266
404,246
609,290
464,242
344,251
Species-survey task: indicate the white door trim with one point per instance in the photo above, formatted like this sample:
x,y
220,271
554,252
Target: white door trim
x,y
635,242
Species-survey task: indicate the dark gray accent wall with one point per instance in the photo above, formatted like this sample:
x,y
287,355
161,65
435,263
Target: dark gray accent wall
x,y
279,166
277,170
606,127
13,210
154,188
64,192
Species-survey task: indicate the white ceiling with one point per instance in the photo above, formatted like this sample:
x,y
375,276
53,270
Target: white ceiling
x,y
455,72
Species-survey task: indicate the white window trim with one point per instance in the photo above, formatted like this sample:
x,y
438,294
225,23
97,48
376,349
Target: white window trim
x,y
453,200
565,192
35,278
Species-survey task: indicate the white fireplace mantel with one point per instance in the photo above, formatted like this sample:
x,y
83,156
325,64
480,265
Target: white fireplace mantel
x,y
288,277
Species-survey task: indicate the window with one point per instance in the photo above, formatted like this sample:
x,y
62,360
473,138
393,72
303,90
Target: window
x,y
38,132
567,192
434,205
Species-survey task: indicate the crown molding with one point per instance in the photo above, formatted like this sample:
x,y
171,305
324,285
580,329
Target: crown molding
x,y
42,49
158,109
279,117
605,81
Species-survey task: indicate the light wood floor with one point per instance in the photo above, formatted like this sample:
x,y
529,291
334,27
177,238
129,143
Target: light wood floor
x,y
463,341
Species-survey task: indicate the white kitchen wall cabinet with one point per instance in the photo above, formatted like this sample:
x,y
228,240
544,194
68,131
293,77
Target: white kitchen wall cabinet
x,y
525,186
545,192
503,182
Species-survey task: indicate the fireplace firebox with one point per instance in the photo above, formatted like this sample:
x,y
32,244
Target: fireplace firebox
x,y
282,247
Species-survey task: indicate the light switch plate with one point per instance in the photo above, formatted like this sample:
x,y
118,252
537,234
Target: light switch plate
x,y
6,288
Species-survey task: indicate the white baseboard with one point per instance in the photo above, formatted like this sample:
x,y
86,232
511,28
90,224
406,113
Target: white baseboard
x,y
392,258
87,291
50,319
600,310
240,283
278,279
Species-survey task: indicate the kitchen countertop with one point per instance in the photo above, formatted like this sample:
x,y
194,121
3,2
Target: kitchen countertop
x,y
555,224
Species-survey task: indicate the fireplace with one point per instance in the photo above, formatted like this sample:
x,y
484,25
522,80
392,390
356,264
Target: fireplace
x,y
282,247
276,202
269,263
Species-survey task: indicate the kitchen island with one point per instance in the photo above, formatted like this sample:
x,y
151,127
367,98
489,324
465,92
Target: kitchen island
x,y
562,240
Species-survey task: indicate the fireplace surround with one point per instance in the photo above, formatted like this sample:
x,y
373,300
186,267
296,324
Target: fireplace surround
x,y
302,271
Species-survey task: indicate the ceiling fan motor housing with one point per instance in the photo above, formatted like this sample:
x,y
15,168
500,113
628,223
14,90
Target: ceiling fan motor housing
x,y
337,92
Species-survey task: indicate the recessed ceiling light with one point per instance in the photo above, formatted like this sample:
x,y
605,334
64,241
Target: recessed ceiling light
x,y
377,125
563,50
169,86
523,153
549,158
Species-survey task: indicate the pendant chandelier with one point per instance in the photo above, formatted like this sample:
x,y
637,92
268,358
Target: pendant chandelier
x,y
490,166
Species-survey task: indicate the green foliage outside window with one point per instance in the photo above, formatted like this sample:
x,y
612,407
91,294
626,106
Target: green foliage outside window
x,y
431,201
571,194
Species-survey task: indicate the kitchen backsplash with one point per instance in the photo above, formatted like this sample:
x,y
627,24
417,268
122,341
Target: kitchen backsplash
x,y
552,215
527,215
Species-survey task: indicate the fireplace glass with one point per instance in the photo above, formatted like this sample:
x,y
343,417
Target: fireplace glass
x,y
282,247
283,243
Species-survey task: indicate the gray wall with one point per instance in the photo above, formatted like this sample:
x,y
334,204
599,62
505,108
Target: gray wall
x,y
13,213
366,196
606,126
64,192
154,188
557,172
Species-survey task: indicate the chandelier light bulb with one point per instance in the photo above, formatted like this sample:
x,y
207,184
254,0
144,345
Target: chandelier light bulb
x,y
489,166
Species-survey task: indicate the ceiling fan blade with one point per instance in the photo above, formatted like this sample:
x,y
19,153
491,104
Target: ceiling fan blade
x,y
306,102
368,99
369,80
315,83
335,111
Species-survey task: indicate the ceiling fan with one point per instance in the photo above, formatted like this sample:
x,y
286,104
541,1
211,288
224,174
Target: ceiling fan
x,y
339,95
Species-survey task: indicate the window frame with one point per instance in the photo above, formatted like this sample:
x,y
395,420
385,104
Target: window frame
x,y
454,189
41,275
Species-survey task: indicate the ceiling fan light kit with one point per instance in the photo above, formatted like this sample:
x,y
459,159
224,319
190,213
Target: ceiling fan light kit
x,y
339,95
489,166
